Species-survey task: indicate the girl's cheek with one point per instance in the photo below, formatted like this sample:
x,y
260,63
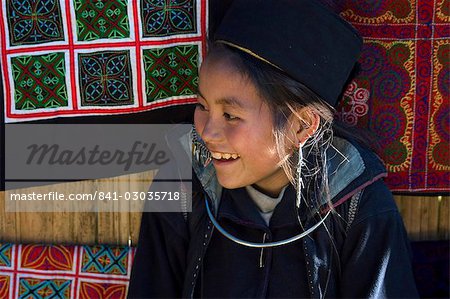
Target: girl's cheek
x,y
199,120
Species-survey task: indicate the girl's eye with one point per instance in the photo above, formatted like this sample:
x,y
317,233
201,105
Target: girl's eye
x,y
230,117
200,106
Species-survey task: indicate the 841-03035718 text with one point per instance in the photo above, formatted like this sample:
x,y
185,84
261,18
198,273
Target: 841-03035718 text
x,y
156,195
98,195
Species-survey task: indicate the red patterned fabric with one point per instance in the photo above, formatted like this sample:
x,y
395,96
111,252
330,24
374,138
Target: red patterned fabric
x,y
57,271
405,66
62,58
402,93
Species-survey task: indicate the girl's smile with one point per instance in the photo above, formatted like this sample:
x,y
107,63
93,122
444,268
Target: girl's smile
x,y
224,156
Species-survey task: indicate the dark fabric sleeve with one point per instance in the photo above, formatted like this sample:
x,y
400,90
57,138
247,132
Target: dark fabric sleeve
x,y
159,264
376,256
160,261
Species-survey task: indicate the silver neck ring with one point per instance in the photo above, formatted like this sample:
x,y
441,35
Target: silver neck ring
x,y
262,245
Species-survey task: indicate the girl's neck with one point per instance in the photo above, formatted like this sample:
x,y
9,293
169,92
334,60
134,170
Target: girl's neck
x,y
274,193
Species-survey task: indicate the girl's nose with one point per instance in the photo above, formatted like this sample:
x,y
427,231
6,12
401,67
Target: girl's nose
x,y
212,132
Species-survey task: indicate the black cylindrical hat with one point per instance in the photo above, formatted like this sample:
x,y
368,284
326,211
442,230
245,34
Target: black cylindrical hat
x,y
299,37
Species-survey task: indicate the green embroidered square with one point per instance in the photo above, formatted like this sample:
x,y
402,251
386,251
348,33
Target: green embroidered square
x,y
101,19
171,72
39,81
168,17
44,288
34,22
105,260
105,78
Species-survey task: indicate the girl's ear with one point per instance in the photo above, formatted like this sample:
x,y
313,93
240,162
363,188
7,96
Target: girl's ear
x,y
307,122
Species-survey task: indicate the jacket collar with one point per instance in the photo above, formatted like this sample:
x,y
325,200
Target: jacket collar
x,y
238,207
350,168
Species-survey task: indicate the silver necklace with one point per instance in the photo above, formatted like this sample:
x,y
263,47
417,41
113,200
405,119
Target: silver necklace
x,y
261,245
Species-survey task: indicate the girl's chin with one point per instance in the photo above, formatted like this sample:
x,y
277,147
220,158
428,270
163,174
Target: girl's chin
x,y
229,184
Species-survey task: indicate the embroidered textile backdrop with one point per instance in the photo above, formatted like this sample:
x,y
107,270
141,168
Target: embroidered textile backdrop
x,y
57,271
402,91
69,58
75,57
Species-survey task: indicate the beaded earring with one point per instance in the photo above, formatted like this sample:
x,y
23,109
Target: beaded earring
x,y
199,150
300,164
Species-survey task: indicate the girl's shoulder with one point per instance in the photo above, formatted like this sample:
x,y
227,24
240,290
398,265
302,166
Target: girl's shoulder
x,y
351,168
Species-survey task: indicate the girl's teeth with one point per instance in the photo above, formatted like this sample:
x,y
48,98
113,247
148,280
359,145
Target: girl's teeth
x,y
216,155
219,156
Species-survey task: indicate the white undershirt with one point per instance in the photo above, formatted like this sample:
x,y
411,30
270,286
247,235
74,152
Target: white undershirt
x,y
265,203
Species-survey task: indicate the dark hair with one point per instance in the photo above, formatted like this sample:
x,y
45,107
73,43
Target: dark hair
x,y
278,88
283,95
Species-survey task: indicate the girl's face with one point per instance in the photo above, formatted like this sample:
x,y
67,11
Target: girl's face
x,y
236,126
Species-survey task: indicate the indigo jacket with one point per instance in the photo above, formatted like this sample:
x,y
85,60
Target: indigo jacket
x,y
362,251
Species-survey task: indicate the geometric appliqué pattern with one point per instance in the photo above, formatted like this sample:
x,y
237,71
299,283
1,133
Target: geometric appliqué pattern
x,y
34,21
101,19
39,81
67,58
104,259
47,257
105,78
168,17
171,72
89,290
5,281
64,271
44,288
5,255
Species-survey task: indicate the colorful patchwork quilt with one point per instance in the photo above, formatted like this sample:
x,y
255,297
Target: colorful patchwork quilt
x,y
402,92
56,271
64,58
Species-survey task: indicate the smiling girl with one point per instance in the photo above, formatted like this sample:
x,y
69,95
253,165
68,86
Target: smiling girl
x,y
285,204
236,126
